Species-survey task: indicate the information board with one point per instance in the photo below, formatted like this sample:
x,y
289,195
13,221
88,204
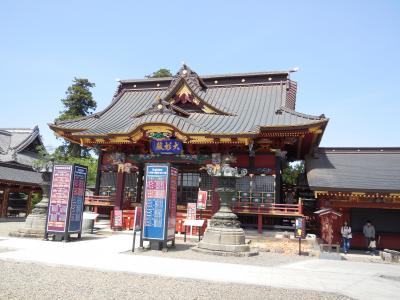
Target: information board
x,y
155,201
77,199
202,200
59,198
191,211
117,218
173,188
300,228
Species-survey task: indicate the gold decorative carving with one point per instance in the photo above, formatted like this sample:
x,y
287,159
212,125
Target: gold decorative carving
x,y
316,130
185,90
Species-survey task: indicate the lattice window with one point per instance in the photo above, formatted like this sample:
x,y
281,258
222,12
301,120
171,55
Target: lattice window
x,y
206,182
130,191
108,183
264,184
188,187
243,184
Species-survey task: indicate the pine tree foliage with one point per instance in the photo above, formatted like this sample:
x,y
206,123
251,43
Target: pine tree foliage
x,y
291,173
160,73
78,103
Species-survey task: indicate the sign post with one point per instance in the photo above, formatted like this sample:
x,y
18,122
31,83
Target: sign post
x,y
137,225
65,211
300,230
159,205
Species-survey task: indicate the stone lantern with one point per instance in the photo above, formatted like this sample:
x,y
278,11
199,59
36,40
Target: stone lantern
x,y
35,223
224,235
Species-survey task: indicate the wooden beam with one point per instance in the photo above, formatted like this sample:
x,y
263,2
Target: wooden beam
x,y
29,203
299,145
98,175
4,203
119,196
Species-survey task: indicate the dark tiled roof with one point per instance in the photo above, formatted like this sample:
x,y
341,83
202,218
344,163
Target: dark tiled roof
x,y
244,103
14,141
355,169
19,175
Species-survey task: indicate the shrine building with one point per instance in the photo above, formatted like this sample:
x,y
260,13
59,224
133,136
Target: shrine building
x,y
357,185
192,121
18,181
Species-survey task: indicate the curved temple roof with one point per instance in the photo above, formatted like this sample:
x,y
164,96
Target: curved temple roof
x,y
354,169
237,104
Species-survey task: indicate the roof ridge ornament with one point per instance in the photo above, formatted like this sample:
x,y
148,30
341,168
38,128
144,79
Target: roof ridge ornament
x,y
190,76
194,86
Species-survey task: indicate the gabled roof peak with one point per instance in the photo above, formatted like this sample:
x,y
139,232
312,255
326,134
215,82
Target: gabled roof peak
x,y
187,74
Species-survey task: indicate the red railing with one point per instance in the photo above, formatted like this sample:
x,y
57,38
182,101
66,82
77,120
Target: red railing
x,y
99,200
268,208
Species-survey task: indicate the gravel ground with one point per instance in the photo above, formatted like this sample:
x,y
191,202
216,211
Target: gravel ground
x,y
35,281
183,251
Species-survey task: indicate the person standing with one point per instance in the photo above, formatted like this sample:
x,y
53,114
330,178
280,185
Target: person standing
x,y
369,234
346,236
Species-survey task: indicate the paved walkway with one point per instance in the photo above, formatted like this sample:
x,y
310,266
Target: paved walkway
x,y
355,279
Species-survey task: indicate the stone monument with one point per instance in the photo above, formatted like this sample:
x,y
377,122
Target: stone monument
x,y
224,236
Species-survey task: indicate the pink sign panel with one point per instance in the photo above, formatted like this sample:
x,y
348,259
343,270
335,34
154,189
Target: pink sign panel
x,y
173,188
117,218
191,211
59,198
202,200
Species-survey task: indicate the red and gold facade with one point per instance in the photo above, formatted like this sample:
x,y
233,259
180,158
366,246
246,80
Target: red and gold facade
x,y
250,116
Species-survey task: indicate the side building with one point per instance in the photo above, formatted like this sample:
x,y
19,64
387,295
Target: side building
x,y
357,185
18,181
191,121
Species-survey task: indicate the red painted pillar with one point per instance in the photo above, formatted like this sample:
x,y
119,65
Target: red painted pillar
x,y
119,195
4,204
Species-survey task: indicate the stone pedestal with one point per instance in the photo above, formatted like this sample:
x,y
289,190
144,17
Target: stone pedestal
x,y
224,236
35,223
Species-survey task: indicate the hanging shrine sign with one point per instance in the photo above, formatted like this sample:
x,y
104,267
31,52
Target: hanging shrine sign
x,y
166,146
159,206
67,196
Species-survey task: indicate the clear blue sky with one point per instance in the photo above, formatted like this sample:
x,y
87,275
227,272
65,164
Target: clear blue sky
x,y
348,53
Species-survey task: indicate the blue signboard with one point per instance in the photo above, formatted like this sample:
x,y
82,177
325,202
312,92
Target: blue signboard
x,y
155,202
77,198
166,146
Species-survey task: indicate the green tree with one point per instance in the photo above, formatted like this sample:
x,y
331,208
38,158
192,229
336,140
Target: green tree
x,y
291,172
78,103
160,73
44,158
